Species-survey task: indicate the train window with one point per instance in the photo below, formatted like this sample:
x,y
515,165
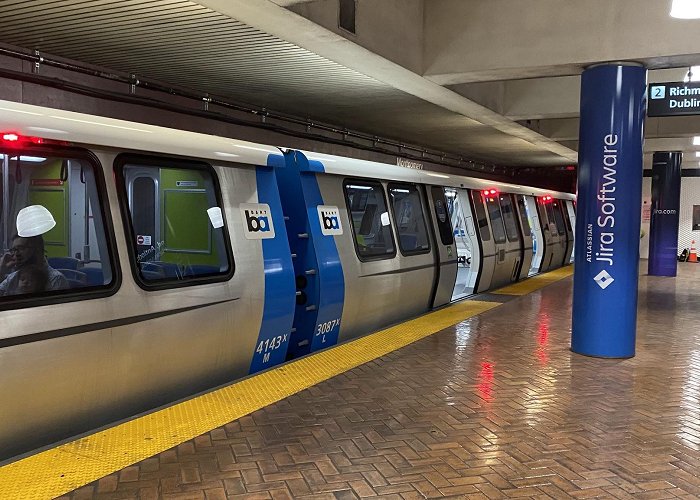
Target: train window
x,y
559,217
566,215
370,220
552,218
52,225
527,230
177,235
443,210
407,209
480,213
499,233
509,217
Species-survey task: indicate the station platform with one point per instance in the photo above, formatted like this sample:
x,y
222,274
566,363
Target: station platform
x,y
482,399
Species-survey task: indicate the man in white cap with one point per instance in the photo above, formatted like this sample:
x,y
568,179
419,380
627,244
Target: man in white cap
x,y
27,252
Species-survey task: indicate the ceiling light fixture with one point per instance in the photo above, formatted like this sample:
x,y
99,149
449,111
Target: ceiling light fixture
x,y
685,9
696,140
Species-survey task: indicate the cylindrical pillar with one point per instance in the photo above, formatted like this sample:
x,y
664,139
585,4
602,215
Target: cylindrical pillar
x,y
613,105
665,207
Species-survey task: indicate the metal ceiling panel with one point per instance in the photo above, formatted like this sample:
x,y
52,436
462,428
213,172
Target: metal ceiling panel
x,y
188,45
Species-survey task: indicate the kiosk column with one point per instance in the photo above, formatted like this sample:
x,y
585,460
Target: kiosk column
x,y
613,104
665,206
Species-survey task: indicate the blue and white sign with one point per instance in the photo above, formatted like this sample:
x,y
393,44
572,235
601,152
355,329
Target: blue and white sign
x,y
329,218
257,221
613,101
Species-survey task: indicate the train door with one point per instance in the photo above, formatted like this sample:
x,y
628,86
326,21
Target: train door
x,y
548,237
466,242
556,229
446,255
527,238
538,240
564,228
488,245
571,211
503,267
514,243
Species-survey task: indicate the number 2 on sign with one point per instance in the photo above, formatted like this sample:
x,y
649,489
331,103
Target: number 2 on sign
x,y
327,327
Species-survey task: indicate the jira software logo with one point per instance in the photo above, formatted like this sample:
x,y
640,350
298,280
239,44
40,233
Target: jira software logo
x,y
329,218
603,279
257,221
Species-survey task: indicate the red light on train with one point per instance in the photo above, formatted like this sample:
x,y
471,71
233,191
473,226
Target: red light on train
x,y
547,199
10,137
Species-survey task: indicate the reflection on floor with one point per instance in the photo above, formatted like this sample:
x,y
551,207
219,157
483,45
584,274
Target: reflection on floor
x,y
496,406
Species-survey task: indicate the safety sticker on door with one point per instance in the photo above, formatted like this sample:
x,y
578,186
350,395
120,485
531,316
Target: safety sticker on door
x,y
257,221
329,218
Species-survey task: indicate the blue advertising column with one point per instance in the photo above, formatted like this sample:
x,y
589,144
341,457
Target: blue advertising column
x,y
665,206
608,206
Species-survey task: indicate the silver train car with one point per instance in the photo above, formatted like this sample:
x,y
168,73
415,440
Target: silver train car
x,y
171,262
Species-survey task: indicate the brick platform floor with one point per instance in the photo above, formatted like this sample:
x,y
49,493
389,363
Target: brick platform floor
x,y
495,407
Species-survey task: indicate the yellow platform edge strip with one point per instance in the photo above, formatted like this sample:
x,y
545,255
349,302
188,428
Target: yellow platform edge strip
x,y
536,282
59,470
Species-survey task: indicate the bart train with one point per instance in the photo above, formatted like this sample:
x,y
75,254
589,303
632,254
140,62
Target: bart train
x,y
192,260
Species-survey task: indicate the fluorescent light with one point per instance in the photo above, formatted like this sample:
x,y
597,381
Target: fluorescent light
x,y
89,122
256,149
697,153
437,175
397,190
685,9
359,187
450,194
21,111
227,155
30,159
696,140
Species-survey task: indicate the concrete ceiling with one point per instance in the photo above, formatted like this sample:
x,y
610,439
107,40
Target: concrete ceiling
x,y
496,81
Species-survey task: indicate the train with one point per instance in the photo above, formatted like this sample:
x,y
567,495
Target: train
x,y
188,261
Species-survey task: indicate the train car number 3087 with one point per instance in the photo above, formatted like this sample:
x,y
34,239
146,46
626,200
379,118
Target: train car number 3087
x,y
327,327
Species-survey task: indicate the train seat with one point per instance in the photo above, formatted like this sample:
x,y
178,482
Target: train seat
x,y
64,263
95,275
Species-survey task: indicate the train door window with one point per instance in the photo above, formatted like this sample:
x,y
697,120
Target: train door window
x,y
552,218
55,238
527,230
176,231
564,213
509,217
443,209
480,213
369,219
407,210
499,233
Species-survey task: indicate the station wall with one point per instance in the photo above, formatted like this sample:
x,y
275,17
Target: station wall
x,y
690,195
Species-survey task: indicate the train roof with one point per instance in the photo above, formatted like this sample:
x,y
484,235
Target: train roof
x,y
80,128
339,165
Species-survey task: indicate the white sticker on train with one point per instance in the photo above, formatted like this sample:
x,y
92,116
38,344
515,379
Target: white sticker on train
x,y
257,221
329,218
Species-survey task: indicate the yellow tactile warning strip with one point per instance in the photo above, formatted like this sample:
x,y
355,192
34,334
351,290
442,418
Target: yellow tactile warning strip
x,y
62,469
536,282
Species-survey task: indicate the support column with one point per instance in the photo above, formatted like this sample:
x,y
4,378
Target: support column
x,y
665,208
613,105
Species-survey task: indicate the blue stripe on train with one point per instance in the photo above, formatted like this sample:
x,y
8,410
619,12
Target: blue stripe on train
x,y
317,265
278,310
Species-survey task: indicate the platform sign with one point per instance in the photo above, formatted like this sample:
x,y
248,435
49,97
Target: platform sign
x,y
674,99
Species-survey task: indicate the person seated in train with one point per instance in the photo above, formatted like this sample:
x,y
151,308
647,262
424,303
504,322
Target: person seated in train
x,y
32,279
27,252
